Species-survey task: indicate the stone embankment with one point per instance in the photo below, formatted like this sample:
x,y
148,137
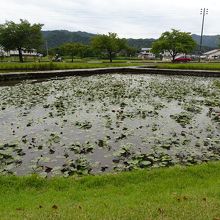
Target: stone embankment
x,y
85,72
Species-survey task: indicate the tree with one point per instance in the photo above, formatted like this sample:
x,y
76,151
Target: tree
x,y
131,51
86,51
109,44
72,49
20,36
174,42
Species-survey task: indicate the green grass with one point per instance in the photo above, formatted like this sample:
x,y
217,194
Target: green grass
x,y
192,66
57,66
191,193
86,64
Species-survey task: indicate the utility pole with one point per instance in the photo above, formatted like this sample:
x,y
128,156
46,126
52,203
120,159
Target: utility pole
x,y
47,48
203,12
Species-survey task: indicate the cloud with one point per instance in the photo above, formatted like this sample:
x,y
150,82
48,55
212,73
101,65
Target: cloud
x,y
129,18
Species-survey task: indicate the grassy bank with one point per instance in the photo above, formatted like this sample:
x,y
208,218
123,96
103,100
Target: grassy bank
x,y
82,64
59,66
192,66
170,193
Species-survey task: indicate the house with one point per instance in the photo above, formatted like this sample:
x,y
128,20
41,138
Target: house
x,y
146,54
212,55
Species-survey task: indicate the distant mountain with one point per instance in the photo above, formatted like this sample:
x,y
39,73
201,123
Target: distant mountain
x,y
57,37
140,43
208,41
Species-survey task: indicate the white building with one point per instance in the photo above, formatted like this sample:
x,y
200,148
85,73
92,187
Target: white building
x,y
146,54
2,52
212,55
166,56
25,52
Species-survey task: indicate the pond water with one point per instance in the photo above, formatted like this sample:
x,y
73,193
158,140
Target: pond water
x,y
106,123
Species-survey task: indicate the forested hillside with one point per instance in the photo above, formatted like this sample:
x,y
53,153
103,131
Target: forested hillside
x,y
57,37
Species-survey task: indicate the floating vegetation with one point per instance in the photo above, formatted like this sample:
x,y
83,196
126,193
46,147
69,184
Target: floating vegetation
x,y
192,108
79,166
84,125
82,148
183,118
80,125
127,159
10,157
214,114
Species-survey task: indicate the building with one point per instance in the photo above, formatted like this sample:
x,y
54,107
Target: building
x,y
165,56
146,54
212,55
2,52
31,52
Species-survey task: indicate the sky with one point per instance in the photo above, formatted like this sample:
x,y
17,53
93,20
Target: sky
x,y
128,18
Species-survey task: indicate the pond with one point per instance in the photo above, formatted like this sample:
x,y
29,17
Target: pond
x,y
108,123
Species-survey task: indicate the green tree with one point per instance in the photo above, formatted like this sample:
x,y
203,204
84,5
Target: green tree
x,y
174,42
86,51
20,36
131,51
72,49
110,44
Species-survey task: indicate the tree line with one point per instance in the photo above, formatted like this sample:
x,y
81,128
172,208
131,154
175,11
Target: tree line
x,y
103,46
23,35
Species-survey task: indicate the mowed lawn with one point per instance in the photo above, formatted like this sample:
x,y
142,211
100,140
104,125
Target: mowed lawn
x,y
164,193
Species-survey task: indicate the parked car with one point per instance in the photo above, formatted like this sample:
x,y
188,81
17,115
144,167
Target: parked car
x,y
182,60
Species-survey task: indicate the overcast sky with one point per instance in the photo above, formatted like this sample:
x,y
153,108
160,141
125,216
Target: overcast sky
x,y
128,18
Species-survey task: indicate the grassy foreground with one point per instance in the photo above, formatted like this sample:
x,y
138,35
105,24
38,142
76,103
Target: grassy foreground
x,y
192,66
169,193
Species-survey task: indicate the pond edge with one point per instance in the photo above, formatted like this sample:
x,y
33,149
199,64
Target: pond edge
x,y
86,72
